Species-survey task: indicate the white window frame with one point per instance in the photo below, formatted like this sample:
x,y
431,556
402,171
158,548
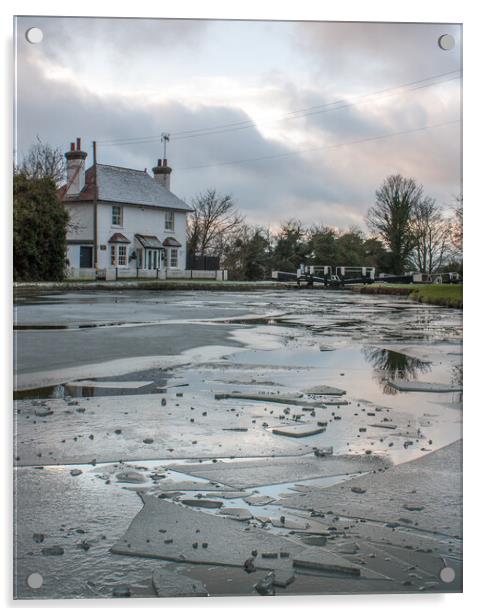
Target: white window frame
x,y
174,252
169,220
122,255
117,214
118,255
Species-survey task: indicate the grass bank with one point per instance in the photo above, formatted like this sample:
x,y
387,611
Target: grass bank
x,y
151,285
449,295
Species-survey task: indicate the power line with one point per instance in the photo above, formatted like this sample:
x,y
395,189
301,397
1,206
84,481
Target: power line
x,y
250,123
304,112
253,125
341,104
327,147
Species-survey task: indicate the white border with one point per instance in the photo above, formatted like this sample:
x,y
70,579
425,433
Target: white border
x,y
354,10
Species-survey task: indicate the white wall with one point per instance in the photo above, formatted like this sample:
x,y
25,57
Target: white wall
x,y
73,255
81,217
145,221
81,227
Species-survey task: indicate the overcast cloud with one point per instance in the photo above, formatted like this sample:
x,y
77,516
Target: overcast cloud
x,y
113,79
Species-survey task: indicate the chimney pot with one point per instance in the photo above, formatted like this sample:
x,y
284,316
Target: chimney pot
x,y
72,146
162,173
78,143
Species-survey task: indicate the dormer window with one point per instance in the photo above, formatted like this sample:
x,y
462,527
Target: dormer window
x,y
116,216
169,221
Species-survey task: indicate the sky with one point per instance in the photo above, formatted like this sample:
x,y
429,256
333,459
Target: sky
x,y
295,120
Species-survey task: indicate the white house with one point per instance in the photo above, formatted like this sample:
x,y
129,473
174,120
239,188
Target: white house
x,y
122,220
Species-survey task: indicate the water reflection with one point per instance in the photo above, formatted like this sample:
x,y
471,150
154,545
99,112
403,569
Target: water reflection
x,y
155,380
457,374
390,365
55,391
457,379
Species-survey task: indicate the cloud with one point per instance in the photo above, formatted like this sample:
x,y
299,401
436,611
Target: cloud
x,y
73,40
356,55
305,176
113,54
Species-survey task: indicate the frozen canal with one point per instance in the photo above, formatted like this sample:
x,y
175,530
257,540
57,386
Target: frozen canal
x,y
164,439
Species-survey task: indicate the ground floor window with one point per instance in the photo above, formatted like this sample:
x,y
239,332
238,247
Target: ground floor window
x,y
173,257
118,255
122,254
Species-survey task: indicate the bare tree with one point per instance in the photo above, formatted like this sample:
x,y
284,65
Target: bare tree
x,y
431,233
213,219
391,217
458,225
43,161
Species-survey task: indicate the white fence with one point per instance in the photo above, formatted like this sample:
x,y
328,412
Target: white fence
x,y
81,273
197,274
113,273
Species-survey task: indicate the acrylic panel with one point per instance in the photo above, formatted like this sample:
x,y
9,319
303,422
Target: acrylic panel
x,y
238,308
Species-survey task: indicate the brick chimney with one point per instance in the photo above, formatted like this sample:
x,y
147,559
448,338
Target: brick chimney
x,y
162,173
75,168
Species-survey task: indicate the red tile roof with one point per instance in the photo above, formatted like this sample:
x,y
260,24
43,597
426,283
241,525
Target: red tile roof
x,y
118,238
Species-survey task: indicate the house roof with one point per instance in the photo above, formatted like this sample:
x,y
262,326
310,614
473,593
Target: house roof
x,y
118,238
122,185
149,241
171,241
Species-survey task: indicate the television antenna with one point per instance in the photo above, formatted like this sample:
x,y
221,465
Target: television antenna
x,y
165,137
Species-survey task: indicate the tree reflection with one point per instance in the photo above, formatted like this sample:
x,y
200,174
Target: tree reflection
x,y
457,374
457,379
80,391
391,365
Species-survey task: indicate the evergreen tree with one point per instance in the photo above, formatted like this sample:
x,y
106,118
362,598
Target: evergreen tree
x,y
291,247
39,230
257,256
350,248
323,245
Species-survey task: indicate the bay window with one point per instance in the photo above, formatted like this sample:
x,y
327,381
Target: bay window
x,y
122,254
118,255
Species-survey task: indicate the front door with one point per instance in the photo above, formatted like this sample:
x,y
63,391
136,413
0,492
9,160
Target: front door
x,y
152,259
86,256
